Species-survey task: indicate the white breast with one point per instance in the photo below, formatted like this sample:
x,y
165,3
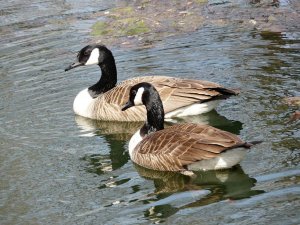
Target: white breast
x,y
194,109
83,104
135,139
226,160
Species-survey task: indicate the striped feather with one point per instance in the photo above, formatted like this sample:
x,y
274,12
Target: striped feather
x,y
174,92
174,148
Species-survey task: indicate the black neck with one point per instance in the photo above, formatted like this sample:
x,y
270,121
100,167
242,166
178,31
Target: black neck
x,y
108,79
155,115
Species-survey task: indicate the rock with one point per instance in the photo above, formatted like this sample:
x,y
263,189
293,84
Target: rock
x,y
292,101
295,116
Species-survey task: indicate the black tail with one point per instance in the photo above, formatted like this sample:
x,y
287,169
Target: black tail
x,y
226,91
250,144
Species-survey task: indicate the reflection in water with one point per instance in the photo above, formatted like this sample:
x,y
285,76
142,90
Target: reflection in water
x,y
117,130
116,135
213,118
208,187
118,156
235,184
164,181
124,130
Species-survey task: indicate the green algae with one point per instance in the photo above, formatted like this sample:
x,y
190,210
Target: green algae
x,y
133,26
100,28
122,27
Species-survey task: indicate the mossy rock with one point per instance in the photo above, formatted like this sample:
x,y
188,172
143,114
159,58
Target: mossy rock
x,y
122,27
100,28
133,26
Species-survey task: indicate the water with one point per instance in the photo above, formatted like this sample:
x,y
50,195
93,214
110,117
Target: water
x,y
57,168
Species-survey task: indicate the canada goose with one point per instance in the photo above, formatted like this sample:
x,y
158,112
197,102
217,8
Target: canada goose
x,y
180,147
102,101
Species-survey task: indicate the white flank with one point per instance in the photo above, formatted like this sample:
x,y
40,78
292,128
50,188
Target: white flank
x,y
83,104
134,140
138,96
226,160
94,57
194,109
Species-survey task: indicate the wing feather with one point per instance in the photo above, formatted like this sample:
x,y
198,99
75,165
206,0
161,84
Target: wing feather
x,y
175,147
174,92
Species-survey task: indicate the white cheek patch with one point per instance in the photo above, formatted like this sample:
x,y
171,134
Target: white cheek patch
x,y
94,57
138,97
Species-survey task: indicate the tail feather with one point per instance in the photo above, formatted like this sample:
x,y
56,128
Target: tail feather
x,y
226,91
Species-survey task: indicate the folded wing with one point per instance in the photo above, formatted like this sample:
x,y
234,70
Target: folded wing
x,y
174,92
176,147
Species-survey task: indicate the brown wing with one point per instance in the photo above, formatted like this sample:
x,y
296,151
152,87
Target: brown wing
x,y
174,92
175,147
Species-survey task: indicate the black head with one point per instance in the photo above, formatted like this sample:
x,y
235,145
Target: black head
x,y
90,55
141,94
146,94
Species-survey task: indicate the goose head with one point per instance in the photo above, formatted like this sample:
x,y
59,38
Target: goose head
x,y
146,94
140,94
91,55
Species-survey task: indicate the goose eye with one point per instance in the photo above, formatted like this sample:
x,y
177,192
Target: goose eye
x,y
133,92
86,53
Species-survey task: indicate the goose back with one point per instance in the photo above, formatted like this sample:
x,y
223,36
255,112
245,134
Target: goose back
x,y
177,147
175,93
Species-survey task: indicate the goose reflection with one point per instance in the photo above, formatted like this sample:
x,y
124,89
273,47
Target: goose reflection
x,y
212,118
115,134
174,191
116,130
117,157
231,183
124,130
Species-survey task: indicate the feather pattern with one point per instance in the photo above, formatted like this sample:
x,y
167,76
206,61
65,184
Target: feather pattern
x,y
174,148
174,92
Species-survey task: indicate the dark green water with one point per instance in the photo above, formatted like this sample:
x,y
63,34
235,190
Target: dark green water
x,y
60,169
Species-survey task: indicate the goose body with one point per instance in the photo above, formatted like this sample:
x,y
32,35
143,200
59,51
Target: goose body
x,y
180,147
102,101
